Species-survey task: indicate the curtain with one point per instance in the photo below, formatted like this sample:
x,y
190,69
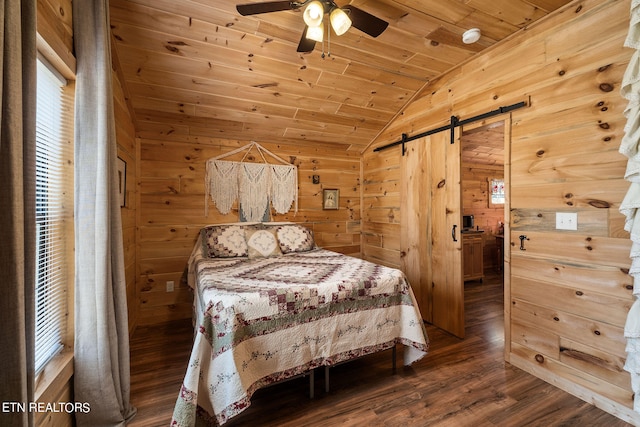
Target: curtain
x,y
630,147
17,203
101,353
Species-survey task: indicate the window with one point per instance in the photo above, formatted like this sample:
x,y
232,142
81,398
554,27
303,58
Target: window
x,y
54,211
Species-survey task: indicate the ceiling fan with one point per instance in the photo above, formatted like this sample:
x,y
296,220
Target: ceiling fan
x,y
341,18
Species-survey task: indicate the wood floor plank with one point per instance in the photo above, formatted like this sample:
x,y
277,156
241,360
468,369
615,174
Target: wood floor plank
x,y
459,383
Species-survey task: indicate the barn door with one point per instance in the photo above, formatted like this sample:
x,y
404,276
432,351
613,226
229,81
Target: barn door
x,y
430,237
446,240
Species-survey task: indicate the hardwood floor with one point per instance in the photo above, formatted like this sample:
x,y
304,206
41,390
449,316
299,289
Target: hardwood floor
x,y
459,383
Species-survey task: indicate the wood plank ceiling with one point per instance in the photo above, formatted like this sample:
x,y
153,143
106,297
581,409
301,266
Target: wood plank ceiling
x,y
196,69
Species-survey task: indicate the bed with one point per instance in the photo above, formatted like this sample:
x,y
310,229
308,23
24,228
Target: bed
x,y
270,305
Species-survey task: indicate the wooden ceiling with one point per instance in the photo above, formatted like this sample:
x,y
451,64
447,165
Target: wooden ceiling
x,y
484,145
196,69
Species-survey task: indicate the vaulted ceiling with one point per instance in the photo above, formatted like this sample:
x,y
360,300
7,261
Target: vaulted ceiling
x,y
197,69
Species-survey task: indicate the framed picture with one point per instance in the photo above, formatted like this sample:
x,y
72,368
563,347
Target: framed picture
x,y
496,192
330,198
122,181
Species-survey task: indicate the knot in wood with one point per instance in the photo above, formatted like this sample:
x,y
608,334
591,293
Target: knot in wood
x,y
600,204
606,87
442,183
172,48
579,293
539,358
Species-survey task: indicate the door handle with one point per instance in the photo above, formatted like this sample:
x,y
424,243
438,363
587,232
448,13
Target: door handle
x,y
453,233
522,238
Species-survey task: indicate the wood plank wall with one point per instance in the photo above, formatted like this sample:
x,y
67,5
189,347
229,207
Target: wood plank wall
x,y
125,136
570,291
171,208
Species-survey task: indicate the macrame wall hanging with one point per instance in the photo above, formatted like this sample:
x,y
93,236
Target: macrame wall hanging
x,y
253,185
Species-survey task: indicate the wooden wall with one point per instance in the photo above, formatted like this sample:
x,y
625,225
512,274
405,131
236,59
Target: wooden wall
x,y
171,209
568,293
125,136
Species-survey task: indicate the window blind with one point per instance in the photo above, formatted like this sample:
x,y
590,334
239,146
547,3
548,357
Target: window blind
x,y
54,211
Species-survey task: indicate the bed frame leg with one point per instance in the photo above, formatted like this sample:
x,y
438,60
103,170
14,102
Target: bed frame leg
x,y
312,383
326,379
393,360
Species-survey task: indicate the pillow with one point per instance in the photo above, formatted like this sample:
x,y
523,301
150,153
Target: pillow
x,y
294,238
225,241
262,243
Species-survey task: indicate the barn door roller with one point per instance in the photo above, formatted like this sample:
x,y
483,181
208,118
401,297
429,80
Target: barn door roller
x,y
455,122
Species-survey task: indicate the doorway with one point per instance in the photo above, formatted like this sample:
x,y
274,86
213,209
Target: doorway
x,y
431,243
484,149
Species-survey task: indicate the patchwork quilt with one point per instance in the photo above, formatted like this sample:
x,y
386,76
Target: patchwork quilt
x,y
260,320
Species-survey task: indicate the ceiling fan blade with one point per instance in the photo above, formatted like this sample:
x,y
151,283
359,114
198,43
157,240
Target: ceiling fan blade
x,y
306,45
265,7
366,22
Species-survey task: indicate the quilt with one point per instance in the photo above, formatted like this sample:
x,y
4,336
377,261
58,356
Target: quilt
x,y
265,319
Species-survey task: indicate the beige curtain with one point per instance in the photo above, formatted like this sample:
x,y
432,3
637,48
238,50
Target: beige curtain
x,y
17,206
101,352
630,147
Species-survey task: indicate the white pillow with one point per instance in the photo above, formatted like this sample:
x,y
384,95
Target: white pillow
x,y
262,243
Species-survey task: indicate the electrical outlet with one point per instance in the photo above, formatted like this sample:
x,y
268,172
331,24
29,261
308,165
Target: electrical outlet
x,y
170,286
566,220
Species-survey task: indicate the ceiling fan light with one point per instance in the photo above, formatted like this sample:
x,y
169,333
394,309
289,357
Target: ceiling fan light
x,y
340,21
315,33
313,14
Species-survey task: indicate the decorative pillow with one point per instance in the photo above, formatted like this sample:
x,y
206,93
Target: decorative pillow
x,y
294,238
262,243
225,241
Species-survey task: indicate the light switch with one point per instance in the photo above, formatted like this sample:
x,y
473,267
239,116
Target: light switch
x,y
170,285
566,220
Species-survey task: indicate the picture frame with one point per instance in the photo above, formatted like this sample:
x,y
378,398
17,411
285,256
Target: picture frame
x,y
496,192
122,181
330,198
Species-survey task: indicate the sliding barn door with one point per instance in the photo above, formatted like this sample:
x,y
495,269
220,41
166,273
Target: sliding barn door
x,y
446,241
431,240
415,220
